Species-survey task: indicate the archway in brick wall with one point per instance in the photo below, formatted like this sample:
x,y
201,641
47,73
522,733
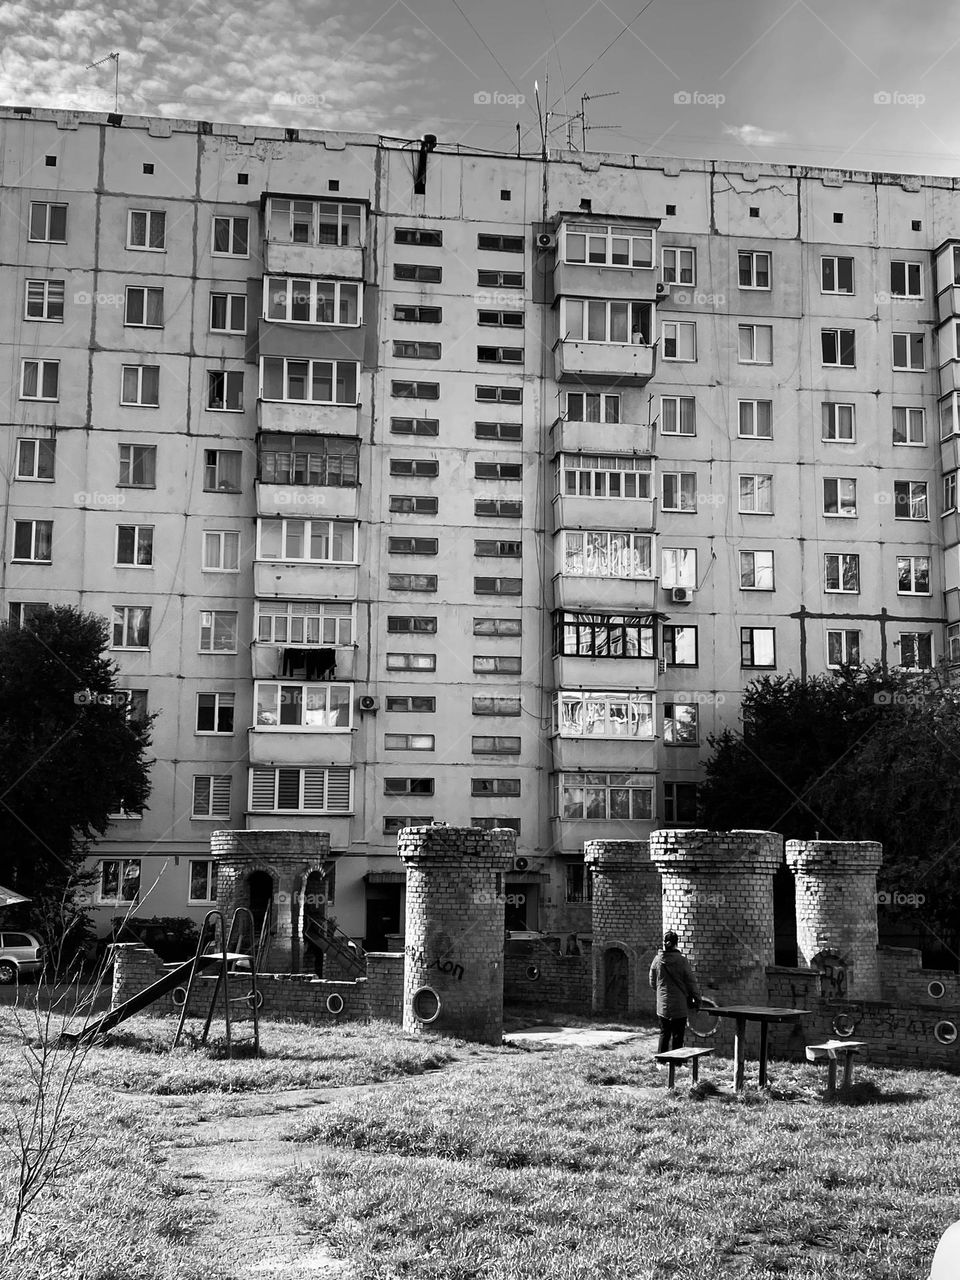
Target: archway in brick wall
x,y
259,898
315,899
616,980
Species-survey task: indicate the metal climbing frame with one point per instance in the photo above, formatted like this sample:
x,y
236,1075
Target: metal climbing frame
x,y
213,922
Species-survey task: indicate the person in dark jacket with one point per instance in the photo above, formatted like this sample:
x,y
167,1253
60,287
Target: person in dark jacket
x,y
677,991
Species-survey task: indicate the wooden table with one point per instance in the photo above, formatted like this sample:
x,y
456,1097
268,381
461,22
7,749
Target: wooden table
x,y
744,1013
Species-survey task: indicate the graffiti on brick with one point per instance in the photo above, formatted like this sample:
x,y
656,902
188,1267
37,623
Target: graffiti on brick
x,y
449,967
833,973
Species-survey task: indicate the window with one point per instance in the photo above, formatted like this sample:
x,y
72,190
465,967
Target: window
x,y
948,415
394,823
119,880
404,505
303,790
332,461
600,635
588,475
319,708
500,395
422,468
146,229
35,459
679,491
33,540
22,614
310,301
836,275
838,347
913,575
416,351
604,715
592,406
753,270
758,647
498,431
755,419
131,626
502,244
916,650
678,416
594,244
499,627
602,553
426,236
680,646
949,492
910,500
215,713
498,665
500,355
203,881
498,508
598,320
415,390
679,266
756,571
408,786
319,541
228,312
498,471
908,425
841,572
755,343
843,648
221,470
305,622
307,222
138,466
837,422
681,724
135,545
494,746
678,340
839,496
501,319
494,786
419,272
418,315
309,381
680,804
412,581
409,742
140,385
44,300
411,662
756,495
908,351
411,703
953,642
218,631
411,624
225,390
231,237
500,279
497,586
511,550
481,706
211,796
606,797
906,279
221,551
48,222
679,567
415,426
413,546
39,379
578,883
143,307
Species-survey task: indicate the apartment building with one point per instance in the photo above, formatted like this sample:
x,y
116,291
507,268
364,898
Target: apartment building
x,y
417,483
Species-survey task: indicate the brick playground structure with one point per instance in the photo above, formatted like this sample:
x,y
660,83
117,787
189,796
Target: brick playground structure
x,y
714,888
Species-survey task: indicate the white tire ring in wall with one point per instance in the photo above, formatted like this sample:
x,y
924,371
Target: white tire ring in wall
x,y
421,995
945,1032
335,1003
706,1004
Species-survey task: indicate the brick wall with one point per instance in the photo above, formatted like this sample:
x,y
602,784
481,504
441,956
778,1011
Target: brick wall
x,y
627,917
561,981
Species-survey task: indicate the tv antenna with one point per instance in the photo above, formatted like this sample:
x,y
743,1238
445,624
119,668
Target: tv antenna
x,y
116,85
589,97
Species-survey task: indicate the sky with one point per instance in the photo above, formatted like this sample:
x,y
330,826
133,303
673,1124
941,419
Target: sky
x,y
853,84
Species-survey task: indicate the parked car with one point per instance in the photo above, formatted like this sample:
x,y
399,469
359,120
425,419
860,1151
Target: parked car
x,y
21,956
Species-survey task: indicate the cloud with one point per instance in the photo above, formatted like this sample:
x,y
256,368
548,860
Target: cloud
x,y
752,135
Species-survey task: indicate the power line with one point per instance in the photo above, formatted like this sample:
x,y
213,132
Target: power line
x,y
609,46
486,46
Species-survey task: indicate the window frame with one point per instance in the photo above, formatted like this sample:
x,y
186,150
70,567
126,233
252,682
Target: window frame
x,y
42,363
748,649
753,257
841,558
44,450
233,221
230,300
210,628
753,331
148,216
53,293
140,370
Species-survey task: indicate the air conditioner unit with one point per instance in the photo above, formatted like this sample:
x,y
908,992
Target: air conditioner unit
x,y
681,595
546,240
367,702
521,864
663,289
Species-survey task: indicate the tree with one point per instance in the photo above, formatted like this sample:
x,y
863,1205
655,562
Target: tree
x,y
70,753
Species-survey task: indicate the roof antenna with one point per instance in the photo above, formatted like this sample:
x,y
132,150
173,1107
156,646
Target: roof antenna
x,y
543,135
116,86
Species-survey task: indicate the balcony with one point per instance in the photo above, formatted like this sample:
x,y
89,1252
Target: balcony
x,y
604,595
601,437
336,502
305,579
630,514
277,747
570,671
570,837
598,280
346,262
631,363
290,416
592,755
268,662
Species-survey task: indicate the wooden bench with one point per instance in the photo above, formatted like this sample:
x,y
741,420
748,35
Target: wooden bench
x,y
679,1057
832,1051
